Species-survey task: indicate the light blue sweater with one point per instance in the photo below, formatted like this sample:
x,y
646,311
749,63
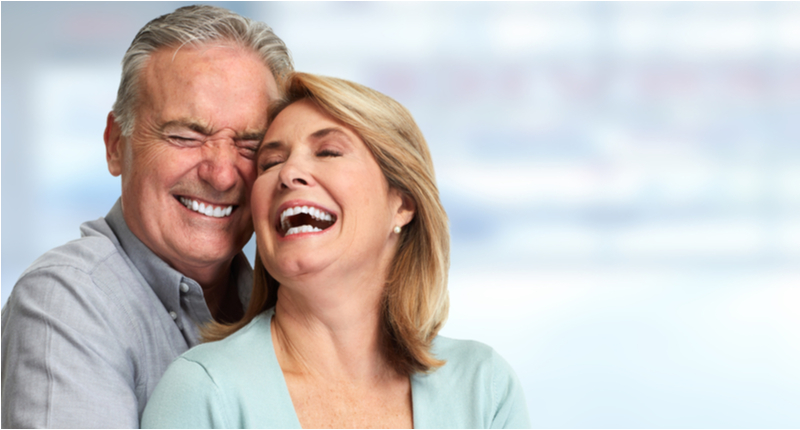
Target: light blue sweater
x,y
237,383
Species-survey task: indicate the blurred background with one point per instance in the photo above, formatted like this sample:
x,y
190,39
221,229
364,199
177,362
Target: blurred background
x,y
622,180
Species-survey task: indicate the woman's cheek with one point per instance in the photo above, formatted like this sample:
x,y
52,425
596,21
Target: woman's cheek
x,y
261,200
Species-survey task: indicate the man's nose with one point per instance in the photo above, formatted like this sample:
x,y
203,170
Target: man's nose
x,y
219,165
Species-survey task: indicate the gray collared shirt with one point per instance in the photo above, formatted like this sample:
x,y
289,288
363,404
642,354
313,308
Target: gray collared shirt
x,y
92,325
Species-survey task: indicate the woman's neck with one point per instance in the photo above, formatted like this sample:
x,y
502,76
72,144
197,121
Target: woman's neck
x,y
328,339
330,331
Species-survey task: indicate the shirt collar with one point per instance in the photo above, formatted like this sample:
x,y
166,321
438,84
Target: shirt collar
x,y
163,279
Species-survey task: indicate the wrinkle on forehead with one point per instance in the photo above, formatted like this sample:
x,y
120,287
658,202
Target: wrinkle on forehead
x,y
207,84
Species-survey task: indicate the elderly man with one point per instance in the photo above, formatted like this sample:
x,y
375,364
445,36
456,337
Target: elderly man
x,y
91,326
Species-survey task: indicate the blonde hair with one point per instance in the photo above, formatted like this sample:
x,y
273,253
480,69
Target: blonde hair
x,y
416,302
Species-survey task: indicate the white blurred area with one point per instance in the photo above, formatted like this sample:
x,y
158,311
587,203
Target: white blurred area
x,y
622,180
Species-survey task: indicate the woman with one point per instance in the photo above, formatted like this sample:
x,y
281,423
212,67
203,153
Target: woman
x,y
350,287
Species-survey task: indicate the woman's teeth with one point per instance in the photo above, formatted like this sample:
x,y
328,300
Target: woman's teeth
x,y
212,211
304,219
301,229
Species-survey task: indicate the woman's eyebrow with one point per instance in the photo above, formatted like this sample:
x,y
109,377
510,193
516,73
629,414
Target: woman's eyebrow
x,y
275,144
326,131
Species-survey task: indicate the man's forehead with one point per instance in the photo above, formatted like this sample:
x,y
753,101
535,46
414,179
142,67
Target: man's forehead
x,y
188,84
188,60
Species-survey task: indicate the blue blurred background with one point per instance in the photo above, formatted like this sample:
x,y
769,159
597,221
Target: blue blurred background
x,y
622,179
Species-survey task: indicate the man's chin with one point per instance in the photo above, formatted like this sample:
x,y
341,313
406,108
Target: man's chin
x,y
201,254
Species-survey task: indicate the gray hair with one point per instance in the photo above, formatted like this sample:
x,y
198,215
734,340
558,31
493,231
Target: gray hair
x,y
194,25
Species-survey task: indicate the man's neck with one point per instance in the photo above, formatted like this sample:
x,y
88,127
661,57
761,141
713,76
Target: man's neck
x,y
220,293
222,297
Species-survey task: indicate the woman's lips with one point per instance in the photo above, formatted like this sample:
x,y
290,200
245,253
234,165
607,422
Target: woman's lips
x,y
304,218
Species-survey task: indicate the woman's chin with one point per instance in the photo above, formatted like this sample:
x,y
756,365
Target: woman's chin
x,y
288,268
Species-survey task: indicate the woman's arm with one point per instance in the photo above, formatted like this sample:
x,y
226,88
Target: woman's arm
x,y
511,410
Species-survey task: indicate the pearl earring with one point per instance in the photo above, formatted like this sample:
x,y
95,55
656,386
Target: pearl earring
x,y
397,229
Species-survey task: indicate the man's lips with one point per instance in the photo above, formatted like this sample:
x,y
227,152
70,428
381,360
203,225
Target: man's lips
x,y
206,208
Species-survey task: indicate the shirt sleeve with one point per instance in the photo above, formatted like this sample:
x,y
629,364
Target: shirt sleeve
x,y
511,409
62,361
187,397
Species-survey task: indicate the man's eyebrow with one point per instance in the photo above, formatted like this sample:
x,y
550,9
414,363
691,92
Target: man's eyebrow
x,y
190,124
198,127
253,135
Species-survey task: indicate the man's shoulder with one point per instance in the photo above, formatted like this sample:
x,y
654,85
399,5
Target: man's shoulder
x,y
83,254
92,265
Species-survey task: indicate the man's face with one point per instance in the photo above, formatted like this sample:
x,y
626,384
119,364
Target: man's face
x,y
188,167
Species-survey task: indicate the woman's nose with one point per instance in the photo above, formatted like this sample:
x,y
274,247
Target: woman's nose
x,y
294,175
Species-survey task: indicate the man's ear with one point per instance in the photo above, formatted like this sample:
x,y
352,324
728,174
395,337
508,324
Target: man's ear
x,y
406,210
114,145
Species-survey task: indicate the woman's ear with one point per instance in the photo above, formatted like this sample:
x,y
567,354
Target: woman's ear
x,y
406,209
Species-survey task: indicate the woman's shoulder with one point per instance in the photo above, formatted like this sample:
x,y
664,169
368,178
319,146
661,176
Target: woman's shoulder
x,y
252,339
462,351
483,390
468,357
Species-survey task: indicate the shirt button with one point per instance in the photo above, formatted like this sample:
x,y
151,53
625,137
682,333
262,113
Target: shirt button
x,y
173,315
184,287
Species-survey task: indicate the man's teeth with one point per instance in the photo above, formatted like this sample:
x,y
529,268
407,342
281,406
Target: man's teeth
x,y
301,229
314,212
212,211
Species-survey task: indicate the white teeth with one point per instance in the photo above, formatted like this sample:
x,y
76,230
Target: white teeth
x,y
302,229
212,211
314,212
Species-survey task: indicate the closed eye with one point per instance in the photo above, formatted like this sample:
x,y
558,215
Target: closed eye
x,y
328,153
181,138
184,141
268,164
248,148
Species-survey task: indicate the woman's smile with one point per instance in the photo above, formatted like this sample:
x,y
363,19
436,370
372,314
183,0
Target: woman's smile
x,y
299,217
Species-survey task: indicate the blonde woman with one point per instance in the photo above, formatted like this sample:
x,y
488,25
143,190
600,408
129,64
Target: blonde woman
x,y
350,287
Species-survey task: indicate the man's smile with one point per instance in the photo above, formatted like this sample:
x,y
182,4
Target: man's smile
x,y
207,209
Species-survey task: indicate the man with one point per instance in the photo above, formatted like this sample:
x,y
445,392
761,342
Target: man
x,y
91,326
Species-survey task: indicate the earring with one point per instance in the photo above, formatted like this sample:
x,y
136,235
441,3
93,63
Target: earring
x,y
397,229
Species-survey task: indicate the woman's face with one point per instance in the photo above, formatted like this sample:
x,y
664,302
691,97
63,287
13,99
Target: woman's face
x,y
321,204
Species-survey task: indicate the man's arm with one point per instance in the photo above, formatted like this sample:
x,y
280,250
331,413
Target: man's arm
x,y
63,362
